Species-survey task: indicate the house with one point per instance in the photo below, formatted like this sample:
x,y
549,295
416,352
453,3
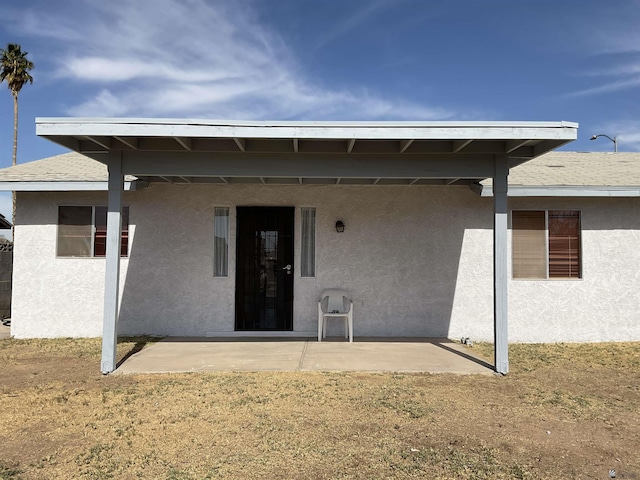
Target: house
x,y
229,229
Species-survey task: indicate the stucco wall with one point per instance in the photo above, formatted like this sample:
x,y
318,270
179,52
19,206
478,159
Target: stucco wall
x,y
602,306
53,297
417,260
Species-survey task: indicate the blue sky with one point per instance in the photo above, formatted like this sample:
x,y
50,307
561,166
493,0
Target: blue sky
x,y
548,60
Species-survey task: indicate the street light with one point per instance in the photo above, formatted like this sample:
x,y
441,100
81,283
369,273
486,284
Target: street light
x,y
614,140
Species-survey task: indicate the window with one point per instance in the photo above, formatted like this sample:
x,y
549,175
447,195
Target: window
x,y
82,231
221,242
308,243
546,244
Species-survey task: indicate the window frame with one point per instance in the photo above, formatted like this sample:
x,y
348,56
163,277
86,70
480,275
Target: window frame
x,y
124,235
547,277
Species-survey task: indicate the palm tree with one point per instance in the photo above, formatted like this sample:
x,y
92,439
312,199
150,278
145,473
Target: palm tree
x,y
15,71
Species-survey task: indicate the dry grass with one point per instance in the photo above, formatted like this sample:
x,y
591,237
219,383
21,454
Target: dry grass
x,y
565,411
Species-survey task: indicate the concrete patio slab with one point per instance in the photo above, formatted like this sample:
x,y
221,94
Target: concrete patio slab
x,y
200,355
277,354
393,356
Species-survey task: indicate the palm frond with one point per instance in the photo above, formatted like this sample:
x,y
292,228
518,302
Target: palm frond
x,y
15,67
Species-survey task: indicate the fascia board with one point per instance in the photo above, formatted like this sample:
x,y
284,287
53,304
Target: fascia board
x,y
56,127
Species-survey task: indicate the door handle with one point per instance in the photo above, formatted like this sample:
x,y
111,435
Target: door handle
x,y
288,269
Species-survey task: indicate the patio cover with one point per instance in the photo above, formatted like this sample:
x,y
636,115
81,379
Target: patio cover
x,y
369,153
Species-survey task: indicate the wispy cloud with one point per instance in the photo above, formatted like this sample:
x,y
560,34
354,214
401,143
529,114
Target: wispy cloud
x,y
611,37
197,58
351,22
613,86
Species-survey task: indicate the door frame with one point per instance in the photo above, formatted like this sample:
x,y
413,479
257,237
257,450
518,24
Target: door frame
x,y
285,218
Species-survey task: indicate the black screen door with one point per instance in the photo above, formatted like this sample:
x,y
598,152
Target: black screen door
x,y
264,268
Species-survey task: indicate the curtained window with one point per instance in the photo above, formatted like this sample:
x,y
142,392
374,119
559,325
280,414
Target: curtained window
x,y
221,242
308,243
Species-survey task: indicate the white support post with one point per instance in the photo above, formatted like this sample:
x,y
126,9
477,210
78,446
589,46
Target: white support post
x,y
112,263
500,278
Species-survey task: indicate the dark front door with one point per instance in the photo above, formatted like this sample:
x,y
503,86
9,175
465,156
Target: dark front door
x,y
264,268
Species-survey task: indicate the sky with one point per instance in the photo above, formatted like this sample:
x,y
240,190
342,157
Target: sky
x,y
489,60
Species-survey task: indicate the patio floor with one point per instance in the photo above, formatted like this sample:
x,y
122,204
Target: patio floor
x,y
432,355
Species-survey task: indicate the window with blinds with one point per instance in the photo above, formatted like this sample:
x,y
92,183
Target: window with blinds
x,y
82,231
100,238
546,244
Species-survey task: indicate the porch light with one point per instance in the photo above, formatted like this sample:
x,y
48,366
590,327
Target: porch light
x,y
614,140
339,226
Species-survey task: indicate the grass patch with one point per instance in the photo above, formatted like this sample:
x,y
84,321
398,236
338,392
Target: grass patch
x,y
535,356
9,473
14,351
564,411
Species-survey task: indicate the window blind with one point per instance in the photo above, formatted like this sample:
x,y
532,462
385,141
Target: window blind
x,y
100,241
564,244
529,239
75,228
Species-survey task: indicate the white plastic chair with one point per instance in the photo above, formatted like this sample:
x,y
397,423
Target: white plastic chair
x,y
335,304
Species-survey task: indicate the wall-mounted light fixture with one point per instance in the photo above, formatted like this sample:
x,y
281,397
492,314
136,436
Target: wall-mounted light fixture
x,y
339,226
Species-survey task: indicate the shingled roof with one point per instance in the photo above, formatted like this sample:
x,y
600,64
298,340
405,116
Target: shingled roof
x,y
578,168
67,167
575,174
68,171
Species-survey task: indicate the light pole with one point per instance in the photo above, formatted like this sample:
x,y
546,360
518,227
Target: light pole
x,y
614,140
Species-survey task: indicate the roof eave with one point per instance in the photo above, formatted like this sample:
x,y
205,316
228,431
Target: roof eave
x,y
62,186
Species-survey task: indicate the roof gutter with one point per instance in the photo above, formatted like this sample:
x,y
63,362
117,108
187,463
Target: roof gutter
x,y
561,191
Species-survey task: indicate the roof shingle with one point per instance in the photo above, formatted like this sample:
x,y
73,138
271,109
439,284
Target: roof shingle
x,y
68,167
593,169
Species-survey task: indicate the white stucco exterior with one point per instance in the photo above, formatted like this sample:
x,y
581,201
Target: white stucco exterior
x,y
417,260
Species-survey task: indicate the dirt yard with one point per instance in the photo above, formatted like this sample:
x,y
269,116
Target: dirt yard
x,y
564,412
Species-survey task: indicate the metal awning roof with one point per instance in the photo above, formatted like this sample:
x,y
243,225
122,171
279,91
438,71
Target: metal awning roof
x,y
217,151
306,152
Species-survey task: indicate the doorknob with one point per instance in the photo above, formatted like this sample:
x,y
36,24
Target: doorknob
x,y
288,269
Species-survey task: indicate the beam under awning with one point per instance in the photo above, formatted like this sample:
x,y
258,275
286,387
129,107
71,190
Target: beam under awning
x,y
240,164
